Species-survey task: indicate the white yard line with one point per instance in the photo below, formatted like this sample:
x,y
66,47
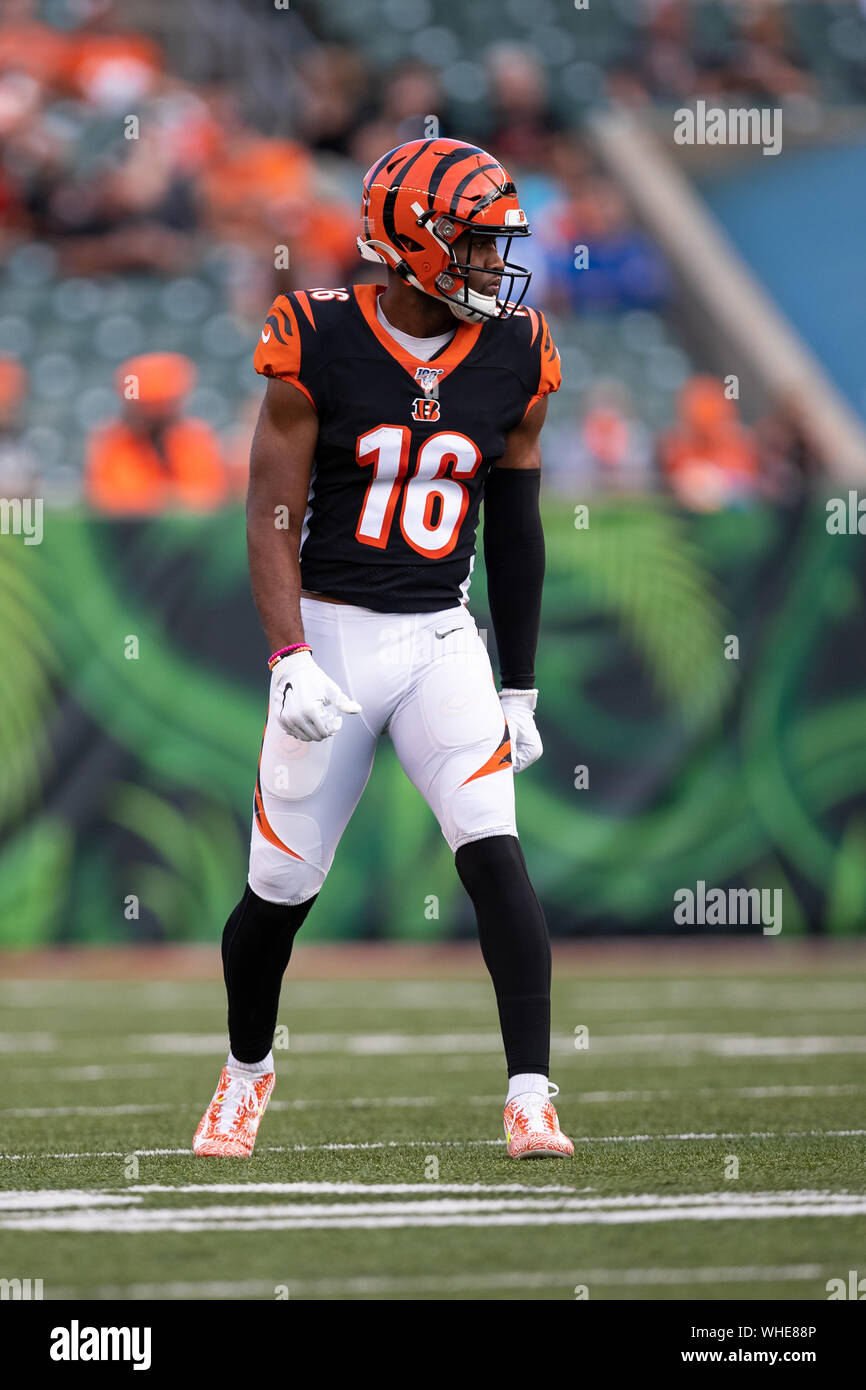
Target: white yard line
x,y
421,1102
99,1073
451,1143
689,1093
135,1192
470,1197
341,1189
432,1210
415,1044
452,1282
778,995
63,1197
28,1042
50,1112
678,1045
436,1213
371,1102
96,1072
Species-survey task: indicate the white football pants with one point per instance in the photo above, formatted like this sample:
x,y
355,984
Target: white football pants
x,y
426,680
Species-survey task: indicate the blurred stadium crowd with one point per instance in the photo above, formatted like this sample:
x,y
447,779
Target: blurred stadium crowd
x,y
142,199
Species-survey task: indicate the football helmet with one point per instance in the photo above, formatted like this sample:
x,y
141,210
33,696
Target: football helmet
x,y
419,198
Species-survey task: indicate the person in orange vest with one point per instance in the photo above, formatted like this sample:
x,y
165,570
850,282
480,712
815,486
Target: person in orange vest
x,y
19,468
709,458
153,459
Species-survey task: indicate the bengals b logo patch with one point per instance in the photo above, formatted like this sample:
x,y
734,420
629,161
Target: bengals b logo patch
x,y
425,408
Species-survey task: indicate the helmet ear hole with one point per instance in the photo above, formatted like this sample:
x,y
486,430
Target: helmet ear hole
x,y
407,243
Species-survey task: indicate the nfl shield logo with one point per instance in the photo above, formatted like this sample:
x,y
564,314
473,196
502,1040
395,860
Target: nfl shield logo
x,y
428,377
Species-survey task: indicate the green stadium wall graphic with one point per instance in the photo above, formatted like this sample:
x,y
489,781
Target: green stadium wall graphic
x,y
131,779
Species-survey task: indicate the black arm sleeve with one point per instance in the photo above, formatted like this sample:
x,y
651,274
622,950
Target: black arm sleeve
x,y
514,557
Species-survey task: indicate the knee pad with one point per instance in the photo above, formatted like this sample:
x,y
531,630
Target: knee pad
x,y
475,797
278,877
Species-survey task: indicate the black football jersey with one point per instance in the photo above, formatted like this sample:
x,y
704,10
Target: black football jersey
x,y
404,446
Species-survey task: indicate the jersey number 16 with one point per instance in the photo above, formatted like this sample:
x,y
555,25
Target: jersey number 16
x,y
434,501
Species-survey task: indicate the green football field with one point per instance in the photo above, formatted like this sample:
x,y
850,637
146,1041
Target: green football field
x,y
717,1111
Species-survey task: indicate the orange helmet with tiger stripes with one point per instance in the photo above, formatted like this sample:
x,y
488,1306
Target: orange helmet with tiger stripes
x,y
419,198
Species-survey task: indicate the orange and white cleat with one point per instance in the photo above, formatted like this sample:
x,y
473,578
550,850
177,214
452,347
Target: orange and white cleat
x,y
229,1125
532,1127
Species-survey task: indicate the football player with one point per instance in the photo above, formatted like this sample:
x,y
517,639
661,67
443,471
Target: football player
x,y
390,412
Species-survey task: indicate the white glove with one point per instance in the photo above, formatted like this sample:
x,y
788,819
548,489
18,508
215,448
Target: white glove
x,y
304,699
519,708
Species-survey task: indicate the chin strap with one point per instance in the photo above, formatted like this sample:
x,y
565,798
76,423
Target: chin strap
x,y
468,312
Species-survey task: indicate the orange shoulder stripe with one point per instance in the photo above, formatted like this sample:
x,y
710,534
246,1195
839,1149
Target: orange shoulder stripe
x,y
303,300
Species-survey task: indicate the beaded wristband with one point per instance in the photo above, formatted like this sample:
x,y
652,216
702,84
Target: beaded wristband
x,y
287,651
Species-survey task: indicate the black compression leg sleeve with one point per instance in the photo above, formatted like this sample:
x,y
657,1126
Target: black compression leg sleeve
x,y
256,947
515,946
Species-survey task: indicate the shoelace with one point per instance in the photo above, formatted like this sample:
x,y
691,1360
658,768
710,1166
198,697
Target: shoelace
x,y
533,1102
238,1096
